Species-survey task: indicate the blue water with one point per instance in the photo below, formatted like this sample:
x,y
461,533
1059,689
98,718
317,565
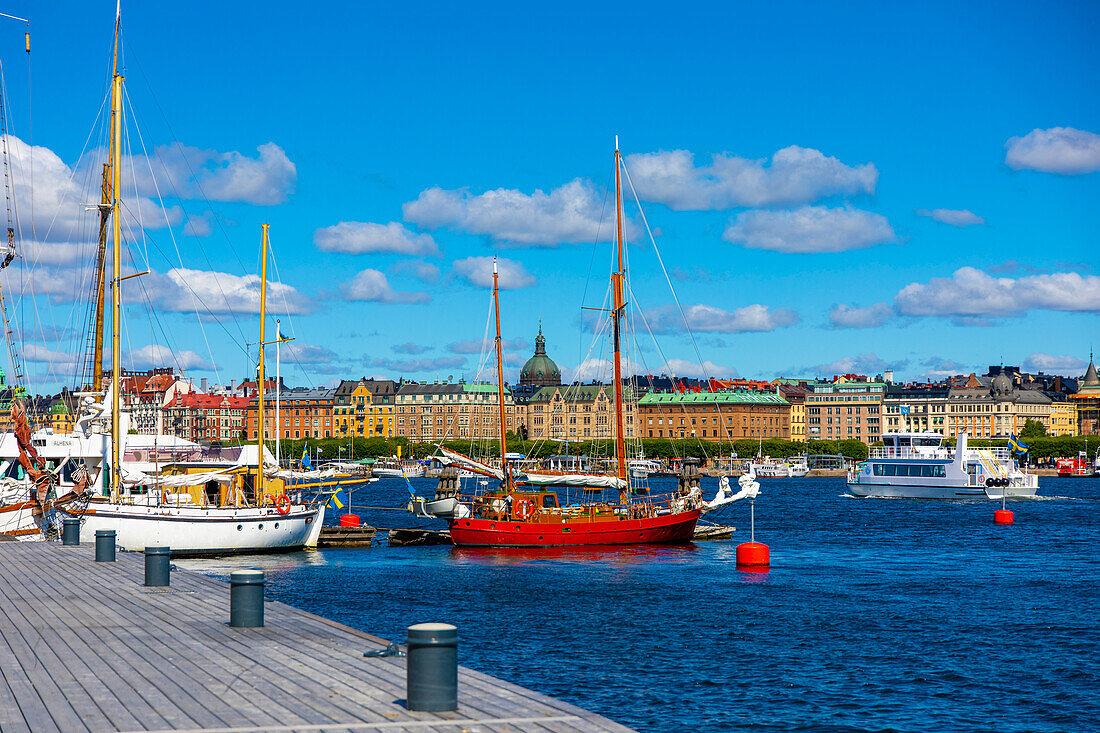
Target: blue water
x,y
876,614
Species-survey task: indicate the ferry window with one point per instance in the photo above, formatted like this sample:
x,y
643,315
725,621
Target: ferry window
x,y
879,469
903,442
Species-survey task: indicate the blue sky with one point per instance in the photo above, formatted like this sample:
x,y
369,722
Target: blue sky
x,y
906,187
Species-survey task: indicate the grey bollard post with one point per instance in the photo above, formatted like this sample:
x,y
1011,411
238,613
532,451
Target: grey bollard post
x,y
104,545
70,530
157,568
431,676
246,598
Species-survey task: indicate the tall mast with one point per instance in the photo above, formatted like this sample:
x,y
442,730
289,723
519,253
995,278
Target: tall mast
x,y
95,366
260,370
617,308
116,272
500,385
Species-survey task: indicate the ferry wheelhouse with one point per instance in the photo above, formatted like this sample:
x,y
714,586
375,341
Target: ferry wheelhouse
x,y
917,465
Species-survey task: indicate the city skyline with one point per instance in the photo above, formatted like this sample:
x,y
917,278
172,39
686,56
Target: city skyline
x,y
842,197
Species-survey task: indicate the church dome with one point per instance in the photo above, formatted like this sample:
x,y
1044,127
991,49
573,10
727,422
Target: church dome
x,y
1090,380
540,369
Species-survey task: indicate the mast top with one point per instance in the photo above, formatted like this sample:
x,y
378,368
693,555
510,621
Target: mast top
x,y
616,143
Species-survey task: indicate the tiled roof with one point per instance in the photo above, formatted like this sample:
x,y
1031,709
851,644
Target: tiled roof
x,y
731,397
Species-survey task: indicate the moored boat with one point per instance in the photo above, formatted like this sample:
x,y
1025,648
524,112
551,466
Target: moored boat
x,y
918,465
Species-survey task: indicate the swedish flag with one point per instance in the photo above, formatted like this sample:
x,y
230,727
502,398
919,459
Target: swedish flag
x,y
305,457
1017,445
338,500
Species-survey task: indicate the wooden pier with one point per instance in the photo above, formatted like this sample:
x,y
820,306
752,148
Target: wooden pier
x,y
84,646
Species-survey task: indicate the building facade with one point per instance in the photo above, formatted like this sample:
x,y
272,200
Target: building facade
x,y
795,394
847,408
714,416
578,412
915,407
452,411
1086,402
205,418
304,413
364,408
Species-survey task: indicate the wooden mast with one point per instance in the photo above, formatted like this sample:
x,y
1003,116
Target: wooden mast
x,y
500,386
617,308
107,192
116,272
260,371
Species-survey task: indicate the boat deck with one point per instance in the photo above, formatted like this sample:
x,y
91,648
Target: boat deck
x,y
84,646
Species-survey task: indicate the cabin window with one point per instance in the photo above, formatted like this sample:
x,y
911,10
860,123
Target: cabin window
x,y
549,501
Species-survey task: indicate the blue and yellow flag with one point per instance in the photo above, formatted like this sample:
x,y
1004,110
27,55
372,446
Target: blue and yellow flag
x,y
338,500
305,457
1017,445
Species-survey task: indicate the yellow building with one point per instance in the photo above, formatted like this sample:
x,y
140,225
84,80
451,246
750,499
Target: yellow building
x,y
1063,419
364,408
61,418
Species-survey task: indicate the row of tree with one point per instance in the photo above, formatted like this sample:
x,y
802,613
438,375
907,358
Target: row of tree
x,y
661,449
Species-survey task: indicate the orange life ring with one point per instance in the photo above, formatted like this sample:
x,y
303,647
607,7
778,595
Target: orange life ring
x,y
282,504
525,508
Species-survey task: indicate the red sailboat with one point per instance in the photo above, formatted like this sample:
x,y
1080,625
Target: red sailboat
x,y
523,512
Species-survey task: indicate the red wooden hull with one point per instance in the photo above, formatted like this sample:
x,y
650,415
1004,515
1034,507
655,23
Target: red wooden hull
x,y
473,532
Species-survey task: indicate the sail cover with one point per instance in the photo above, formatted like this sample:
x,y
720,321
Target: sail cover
x,y
454,458
531,478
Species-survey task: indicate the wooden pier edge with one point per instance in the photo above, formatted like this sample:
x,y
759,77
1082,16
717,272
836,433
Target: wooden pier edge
x,y
84,646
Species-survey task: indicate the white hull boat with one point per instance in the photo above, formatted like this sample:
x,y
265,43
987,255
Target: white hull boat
x,y
918,466
196,530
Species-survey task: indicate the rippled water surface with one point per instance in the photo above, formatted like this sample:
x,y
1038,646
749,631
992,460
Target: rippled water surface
x,y
876,615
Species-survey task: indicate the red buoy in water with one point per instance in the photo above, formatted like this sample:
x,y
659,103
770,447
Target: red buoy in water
x,y
753,555
349,520
1003,516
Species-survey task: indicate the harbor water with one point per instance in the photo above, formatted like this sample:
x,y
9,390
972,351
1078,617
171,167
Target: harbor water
x,y
876,614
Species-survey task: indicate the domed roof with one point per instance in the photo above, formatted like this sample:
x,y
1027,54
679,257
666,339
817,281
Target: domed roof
x,y
1002,386
540,369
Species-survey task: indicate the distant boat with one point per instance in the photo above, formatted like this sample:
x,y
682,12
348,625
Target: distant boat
x,y
775,468
917,465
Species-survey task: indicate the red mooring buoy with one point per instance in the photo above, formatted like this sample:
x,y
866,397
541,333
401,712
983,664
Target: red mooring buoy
x,y
753,555
349,520
1003,516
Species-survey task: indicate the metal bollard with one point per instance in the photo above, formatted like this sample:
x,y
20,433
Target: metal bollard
x,y
431,677
157,568
70,530
246,598
104,545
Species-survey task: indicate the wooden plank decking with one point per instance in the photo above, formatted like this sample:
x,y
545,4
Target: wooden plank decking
x,y
84,646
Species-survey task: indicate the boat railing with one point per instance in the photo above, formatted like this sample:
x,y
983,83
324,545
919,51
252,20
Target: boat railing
x,y
909,452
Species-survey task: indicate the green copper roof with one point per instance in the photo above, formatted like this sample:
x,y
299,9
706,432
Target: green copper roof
x,y
725,397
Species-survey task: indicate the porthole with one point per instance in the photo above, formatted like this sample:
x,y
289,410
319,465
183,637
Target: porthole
x,y
261,526
240,527
276,525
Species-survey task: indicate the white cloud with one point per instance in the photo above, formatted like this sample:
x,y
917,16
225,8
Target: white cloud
x,y
750,318
410,348
795,176
970,292
479,271
197,226
567,215
60,360
183,171
372,285
852,316
56,197
205,292
810,229
476,346
866,364
421,270
157,355
685,368
954,217
420,366
1062,150
1064,364
56,253
358,237
306,353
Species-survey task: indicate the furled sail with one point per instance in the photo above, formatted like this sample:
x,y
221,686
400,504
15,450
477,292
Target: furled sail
x,y
454,458
538,478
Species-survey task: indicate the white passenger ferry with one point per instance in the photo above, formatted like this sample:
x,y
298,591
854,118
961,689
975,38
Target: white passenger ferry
x,y
774,468
919,466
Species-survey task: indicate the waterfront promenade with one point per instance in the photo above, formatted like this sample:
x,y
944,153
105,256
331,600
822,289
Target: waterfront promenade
x,y
84,646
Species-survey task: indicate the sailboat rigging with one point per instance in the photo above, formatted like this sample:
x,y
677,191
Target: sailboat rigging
x,y
523,512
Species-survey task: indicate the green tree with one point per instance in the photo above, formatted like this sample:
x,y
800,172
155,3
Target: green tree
x,y
1033,429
